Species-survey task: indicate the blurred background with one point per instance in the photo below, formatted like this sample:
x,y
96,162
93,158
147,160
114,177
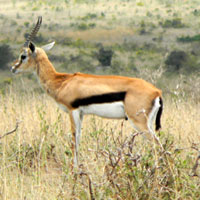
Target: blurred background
x,y
157,40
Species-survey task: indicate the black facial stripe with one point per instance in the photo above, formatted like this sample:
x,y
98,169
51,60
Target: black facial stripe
x,y
97,99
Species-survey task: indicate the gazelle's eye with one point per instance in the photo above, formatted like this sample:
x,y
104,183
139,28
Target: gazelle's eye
x,y
23,57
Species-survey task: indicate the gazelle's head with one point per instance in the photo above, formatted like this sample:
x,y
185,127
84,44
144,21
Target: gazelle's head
x,y
26,60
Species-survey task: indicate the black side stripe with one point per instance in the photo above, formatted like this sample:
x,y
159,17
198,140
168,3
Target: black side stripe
x,y
97,99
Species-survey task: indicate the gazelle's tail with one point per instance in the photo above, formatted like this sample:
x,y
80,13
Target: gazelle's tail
x,y
158,116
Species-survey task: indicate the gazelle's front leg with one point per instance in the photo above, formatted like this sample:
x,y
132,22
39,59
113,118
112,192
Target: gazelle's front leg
x,y
76,117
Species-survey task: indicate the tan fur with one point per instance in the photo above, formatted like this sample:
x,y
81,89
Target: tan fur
x,y
65,88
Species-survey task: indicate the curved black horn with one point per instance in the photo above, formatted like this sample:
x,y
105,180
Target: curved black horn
x,y
33,32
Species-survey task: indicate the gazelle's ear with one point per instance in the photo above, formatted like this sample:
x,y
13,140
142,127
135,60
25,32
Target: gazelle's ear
x,y
31,47
49,46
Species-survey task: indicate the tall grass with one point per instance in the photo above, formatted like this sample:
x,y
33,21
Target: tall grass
x,y
115,161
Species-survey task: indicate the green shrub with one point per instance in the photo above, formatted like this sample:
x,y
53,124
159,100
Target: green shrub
x,y
196,12
136,175
90,16
78,43
174,23
140,4
6,56
194,38
104,56
79,62
83,26
65,41
26,24
176,60
180,61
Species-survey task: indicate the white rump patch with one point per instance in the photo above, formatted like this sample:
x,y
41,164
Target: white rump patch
x,y
152,117
153,113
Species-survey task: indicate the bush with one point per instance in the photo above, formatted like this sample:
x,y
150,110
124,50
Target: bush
x,y
175,60
174,23
196,12
79,62
83,26
182,62
104,56
90,16
194,38
6,56
26,24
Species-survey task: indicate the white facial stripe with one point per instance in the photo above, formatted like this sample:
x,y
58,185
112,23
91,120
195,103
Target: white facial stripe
x,y
16,64
25,53
108,110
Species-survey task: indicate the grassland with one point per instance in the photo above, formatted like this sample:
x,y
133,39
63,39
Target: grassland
x,y
116,162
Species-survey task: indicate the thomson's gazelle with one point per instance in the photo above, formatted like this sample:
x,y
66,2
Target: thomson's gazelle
x,y
115,97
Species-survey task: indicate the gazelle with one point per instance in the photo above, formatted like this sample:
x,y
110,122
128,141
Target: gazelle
x,y
115,97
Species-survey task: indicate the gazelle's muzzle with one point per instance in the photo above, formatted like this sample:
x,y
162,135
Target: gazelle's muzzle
x,y
15,66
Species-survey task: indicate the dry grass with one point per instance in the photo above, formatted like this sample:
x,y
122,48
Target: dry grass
x,y
35,160
115,163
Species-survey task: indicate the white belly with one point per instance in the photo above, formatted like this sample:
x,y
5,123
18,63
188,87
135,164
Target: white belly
x,y
62,107
108,110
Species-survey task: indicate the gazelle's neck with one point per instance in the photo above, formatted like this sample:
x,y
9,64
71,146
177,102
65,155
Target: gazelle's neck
x,y
49,79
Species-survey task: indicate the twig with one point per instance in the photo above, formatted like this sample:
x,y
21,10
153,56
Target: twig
x,y
196,165
194,169
10,132
131,141
89,184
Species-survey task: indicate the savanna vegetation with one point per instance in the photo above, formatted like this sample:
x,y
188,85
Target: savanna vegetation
x,y
157,40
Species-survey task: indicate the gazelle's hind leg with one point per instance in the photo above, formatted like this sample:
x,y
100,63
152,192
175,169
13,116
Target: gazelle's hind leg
x,y
147,129
142,118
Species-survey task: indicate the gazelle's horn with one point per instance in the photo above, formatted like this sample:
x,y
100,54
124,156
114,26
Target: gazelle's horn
x,y
33,32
